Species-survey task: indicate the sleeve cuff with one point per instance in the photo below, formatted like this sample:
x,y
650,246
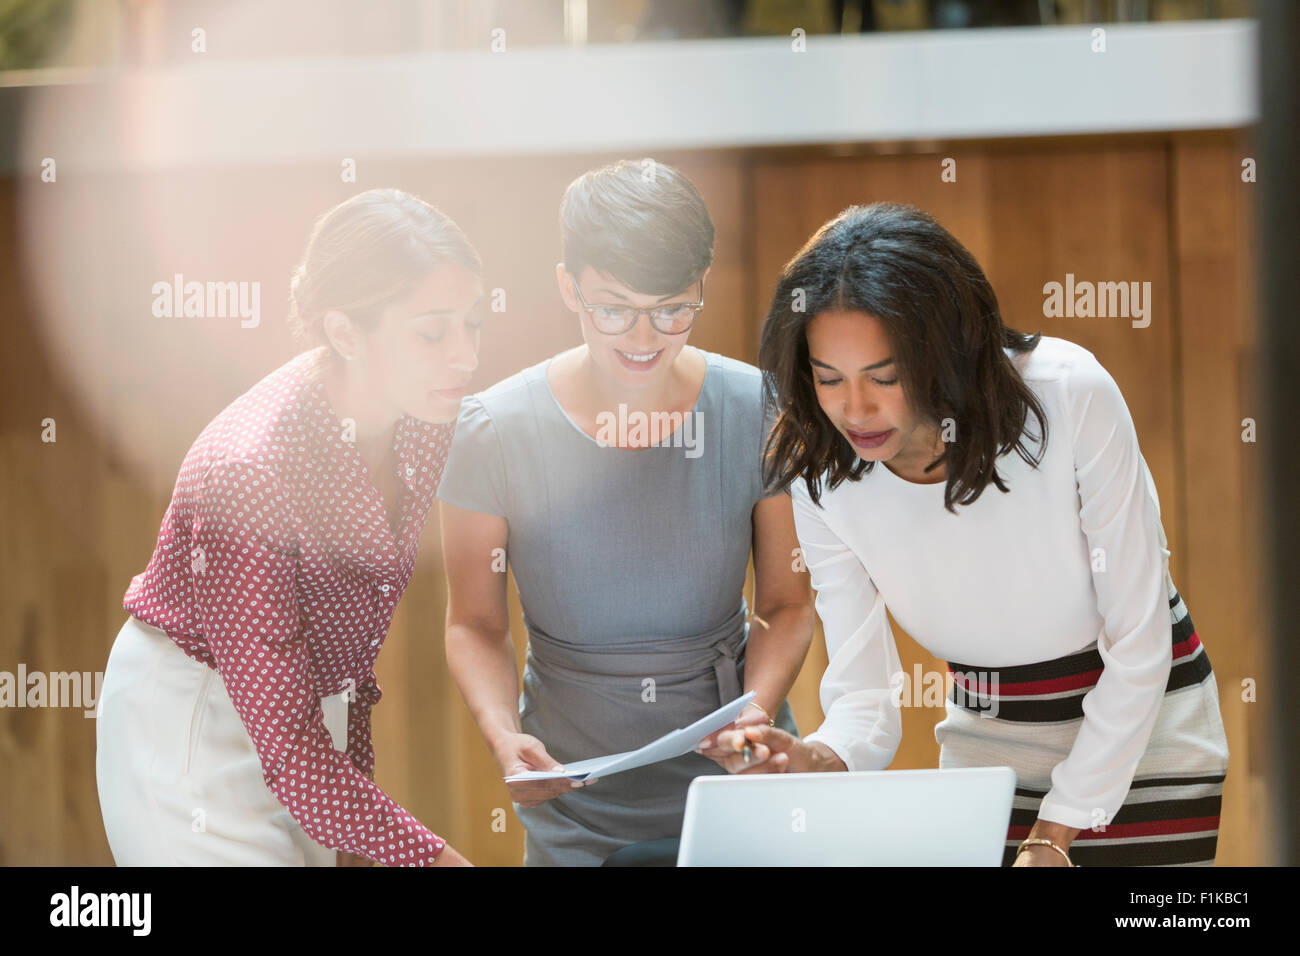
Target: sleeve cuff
x,y
1053,812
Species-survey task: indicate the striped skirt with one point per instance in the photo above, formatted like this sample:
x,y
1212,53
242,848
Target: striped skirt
x,y
1170,816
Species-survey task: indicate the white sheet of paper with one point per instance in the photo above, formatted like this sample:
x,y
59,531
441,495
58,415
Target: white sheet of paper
x,y
670,745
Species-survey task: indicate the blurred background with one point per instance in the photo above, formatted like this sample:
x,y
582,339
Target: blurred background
x,y
1113,141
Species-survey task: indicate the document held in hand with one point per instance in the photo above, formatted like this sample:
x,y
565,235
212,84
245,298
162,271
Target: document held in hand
x,y
667,747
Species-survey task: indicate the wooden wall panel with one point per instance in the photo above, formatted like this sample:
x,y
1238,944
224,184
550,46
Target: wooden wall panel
x,y
1216,255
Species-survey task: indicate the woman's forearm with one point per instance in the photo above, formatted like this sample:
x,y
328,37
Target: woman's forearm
x,y
779,638
483,666
1058,833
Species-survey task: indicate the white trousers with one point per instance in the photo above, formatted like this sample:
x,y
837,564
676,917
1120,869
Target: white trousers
x,y
180,783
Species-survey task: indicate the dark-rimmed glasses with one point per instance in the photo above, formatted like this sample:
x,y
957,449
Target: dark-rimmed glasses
x,y
672,319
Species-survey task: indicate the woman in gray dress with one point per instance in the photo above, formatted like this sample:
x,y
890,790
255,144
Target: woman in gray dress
x,y
622,481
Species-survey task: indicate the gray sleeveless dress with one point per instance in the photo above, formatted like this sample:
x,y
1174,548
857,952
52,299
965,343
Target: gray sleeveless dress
x,y
630,565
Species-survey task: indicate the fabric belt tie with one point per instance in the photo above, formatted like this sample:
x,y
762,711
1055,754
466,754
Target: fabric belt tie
x,y
721,649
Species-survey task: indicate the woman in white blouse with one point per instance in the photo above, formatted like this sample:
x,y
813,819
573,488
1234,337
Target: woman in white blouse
x,y
1079,665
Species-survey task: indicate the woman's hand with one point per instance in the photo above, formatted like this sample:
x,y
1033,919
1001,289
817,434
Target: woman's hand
x,y
449,857
520,752
1039,855
772,750
711,747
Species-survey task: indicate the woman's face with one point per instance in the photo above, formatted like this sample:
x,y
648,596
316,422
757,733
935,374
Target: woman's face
x,y
857,387
424,348
640,358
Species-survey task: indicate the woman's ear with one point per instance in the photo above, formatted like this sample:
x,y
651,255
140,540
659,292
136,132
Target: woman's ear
x,y
341,334
565,283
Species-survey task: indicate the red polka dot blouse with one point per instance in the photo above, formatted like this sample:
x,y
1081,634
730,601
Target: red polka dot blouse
x,y
277,566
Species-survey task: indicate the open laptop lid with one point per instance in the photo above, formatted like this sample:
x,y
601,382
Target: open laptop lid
x,y
886,818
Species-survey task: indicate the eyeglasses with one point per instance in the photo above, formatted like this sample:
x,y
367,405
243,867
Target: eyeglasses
x,y
672,319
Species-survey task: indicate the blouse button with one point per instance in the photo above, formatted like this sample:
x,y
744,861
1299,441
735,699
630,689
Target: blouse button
x,y
385,588
410,470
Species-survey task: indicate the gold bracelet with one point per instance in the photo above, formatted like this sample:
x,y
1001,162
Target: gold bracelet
x,y
1038,841
770,721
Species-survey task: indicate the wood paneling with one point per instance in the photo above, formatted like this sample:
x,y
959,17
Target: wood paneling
x,y
1215,242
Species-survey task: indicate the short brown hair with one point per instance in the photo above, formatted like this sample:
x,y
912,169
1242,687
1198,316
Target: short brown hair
x,y
640,221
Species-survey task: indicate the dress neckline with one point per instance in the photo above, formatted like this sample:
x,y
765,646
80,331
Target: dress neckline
x,y
899,479
699,400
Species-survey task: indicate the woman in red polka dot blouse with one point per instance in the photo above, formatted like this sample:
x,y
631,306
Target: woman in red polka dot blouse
x,y
235,720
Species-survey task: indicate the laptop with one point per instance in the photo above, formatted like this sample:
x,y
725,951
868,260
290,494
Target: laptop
x,y
879,818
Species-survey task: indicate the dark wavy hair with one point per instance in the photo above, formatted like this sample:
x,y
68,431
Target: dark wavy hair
x,y
897,264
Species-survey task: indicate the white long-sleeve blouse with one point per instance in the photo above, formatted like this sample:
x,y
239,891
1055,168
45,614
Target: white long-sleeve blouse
x,y
1074,553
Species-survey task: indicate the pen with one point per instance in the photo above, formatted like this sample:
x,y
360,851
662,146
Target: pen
x,y
745,752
